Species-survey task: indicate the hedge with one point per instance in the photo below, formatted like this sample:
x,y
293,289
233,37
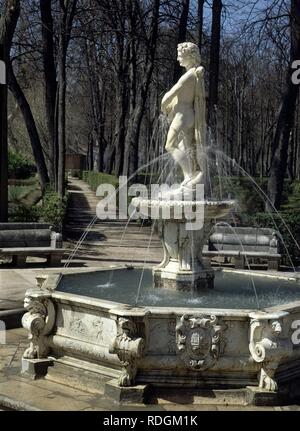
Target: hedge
x,y
52,210
94,179
287,223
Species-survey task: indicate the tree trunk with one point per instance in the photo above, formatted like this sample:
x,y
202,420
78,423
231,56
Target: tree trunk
x,y
102,144
182,30
100,159
297,150
97,102
90,153
200,23
286,118
109,165
61,132
67,13
30,126
132,104
214,64
50,83
135,121
119,138
121,102
3,140
134,137
291,157
8,22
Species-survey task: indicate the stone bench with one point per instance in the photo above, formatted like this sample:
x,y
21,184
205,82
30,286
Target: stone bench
x,y
19,240
243,244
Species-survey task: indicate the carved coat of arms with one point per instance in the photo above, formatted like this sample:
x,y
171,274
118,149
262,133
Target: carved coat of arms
x,y
198,340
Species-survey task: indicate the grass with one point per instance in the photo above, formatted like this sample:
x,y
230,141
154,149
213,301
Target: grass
x,y
28,194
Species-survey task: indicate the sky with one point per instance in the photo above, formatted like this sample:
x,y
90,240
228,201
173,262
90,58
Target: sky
x,y
234,12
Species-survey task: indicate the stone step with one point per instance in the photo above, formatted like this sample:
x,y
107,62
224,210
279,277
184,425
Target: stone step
x,y
218,397
80,374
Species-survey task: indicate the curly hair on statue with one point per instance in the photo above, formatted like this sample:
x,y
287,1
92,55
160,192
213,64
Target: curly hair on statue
x,y
189,49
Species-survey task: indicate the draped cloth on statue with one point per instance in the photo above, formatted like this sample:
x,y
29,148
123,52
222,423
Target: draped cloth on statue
x,y
200,116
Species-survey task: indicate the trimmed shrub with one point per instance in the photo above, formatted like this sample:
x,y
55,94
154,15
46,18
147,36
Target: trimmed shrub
x,y
251,204
19,167
94,179
287,223
291,197
53,210
23,213
76,173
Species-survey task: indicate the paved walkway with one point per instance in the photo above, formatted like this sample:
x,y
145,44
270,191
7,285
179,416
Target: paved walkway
x,y
107,242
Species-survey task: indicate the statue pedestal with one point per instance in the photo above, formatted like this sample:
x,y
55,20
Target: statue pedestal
x,y
183,280
182,267
183,238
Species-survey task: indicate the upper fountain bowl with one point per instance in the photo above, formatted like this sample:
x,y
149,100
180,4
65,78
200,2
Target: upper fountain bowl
x,y
182,210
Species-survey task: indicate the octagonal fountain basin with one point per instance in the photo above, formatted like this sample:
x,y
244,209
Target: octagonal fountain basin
x,y
111,329
135,287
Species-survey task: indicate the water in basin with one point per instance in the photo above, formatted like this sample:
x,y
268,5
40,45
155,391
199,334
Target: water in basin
x,y
231,290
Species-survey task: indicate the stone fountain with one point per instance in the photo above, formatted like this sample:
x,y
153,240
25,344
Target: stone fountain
x,y
213,345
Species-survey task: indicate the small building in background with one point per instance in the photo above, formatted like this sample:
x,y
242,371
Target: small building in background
x,y
76,161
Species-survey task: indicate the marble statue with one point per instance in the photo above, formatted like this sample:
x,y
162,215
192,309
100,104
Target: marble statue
x,y
184,106
184,214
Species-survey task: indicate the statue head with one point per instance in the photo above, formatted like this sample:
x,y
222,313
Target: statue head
x,y
188,54
276,327
35,305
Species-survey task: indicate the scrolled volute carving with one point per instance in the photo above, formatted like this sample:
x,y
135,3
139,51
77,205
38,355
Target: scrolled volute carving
x,y
129,347
268,345
39,321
